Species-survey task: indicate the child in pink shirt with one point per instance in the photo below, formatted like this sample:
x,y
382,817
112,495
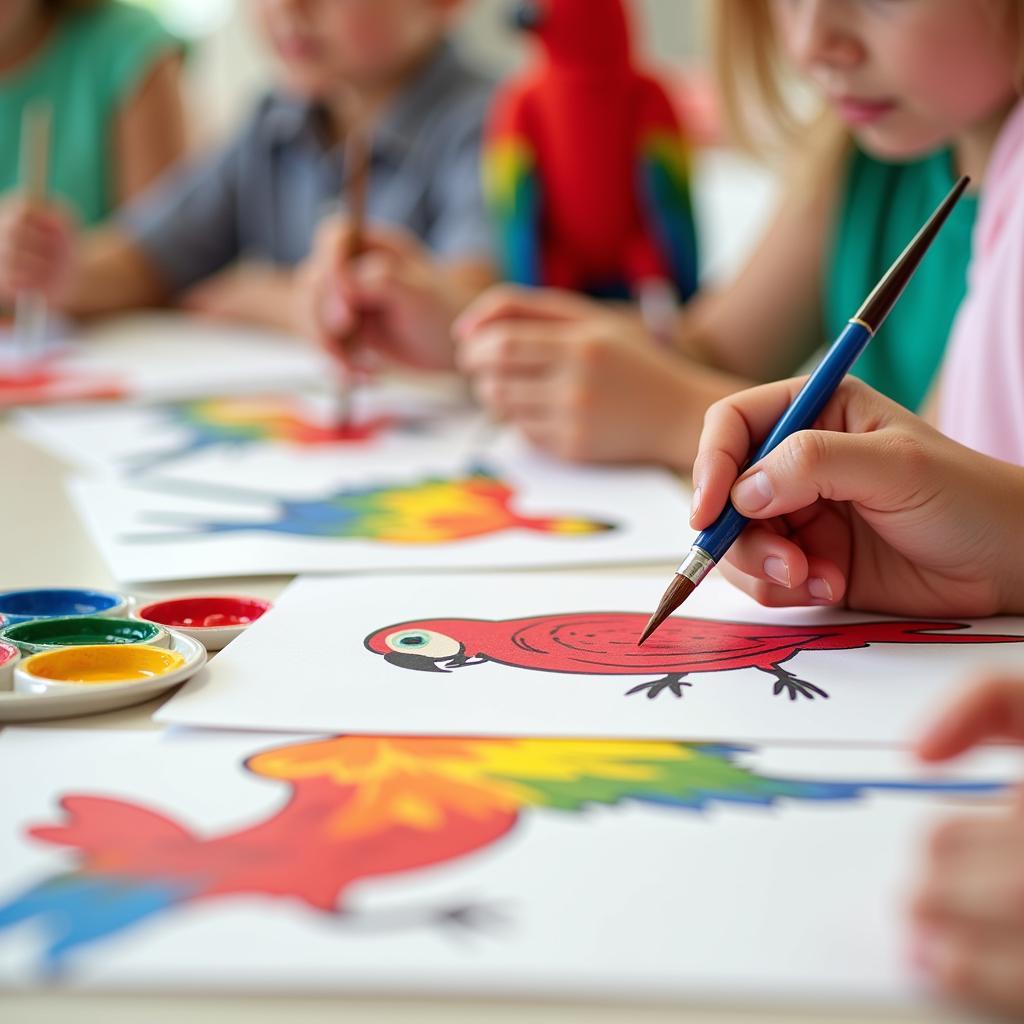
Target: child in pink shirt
x,y
982,393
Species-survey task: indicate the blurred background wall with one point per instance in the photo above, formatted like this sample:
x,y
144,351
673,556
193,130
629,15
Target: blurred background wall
x,y
228,65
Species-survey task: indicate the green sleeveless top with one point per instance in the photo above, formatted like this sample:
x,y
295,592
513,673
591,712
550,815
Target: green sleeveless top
x,y
88,68
883,207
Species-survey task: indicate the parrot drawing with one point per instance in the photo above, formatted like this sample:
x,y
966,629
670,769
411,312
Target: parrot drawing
x,y
46,383
605,643
239,422
359,808
586,168
433,510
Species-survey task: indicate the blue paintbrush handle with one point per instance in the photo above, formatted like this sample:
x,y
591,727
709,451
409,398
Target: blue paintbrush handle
x,y
802,414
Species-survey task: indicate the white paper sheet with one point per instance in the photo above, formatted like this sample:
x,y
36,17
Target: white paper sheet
x,y
555,655
601,870
199,437
442,504
164,357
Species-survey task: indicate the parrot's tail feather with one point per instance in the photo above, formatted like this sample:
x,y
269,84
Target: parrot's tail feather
x,y
78,909
139,465
767,792
934,633
91,821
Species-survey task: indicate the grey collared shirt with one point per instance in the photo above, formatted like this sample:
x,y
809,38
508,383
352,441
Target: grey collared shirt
x,y
264,194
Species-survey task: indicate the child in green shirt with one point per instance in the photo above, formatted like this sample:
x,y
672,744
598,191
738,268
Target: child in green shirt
x,y
914,92
109,74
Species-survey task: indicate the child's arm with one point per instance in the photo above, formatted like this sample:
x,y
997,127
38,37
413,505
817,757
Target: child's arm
x,y
394,300
769,320
41,250
149,133
873,509
584,381
255,293
181,232
968,910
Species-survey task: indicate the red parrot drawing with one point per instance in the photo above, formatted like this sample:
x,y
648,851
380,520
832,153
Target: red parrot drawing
x,y
359,808
604,643
585,164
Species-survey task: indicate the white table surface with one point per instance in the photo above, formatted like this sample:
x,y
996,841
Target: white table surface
x,y
44,544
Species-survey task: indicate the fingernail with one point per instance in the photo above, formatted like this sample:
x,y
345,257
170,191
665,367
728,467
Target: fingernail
x,y
819,589
695,504
776,569
753,493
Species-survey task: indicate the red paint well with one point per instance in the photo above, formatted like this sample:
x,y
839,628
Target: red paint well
x,y
205,612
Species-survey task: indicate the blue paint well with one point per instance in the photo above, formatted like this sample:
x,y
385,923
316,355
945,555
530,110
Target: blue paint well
x,y
23,605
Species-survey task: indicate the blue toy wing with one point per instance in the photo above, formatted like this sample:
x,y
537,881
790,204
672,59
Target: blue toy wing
x,y
665,171
512,188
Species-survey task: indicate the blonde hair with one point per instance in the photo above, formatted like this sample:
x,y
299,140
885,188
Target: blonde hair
x,y
757,85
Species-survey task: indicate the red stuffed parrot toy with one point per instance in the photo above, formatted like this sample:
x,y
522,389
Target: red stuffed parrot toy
x,y
585,164
604,643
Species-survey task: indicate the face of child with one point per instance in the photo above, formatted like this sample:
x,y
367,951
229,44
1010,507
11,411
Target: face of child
x,y
321,44
907,76
17,19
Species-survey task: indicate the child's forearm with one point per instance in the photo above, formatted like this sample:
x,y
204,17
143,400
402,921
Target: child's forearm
x,y
698,388
110,273
274,302
1006,507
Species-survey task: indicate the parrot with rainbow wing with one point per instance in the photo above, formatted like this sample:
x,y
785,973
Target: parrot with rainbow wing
x,y
363,808
432,510
604,643
585,165
238,422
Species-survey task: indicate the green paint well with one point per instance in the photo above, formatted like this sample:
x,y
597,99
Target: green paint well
x,y
77,630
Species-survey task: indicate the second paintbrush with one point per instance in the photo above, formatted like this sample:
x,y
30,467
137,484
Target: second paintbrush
x,y
357,177
711,545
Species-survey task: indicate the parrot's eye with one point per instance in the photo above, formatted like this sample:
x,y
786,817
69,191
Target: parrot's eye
x,y
425,642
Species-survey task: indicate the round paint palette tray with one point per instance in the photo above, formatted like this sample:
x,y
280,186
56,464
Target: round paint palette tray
x,y
92,699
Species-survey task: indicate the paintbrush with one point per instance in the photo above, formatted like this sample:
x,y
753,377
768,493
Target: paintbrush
x,y
711,545
30,307
357,177
657,302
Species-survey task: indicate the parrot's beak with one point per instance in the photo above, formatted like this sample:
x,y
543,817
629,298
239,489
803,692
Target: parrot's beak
x,y
417,662
527,16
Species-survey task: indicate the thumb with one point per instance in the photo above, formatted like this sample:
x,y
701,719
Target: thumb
x,y
993,709
881,469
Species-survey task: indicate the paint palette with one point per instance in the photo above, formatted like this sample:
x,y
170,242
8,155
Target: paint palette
x,y
87,680
213,620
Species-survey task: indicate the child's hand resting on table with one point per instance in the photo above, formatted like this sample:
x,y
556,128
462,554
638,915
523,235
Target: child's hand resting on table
x,y
581,380
968,909
37,248
394,300
873,509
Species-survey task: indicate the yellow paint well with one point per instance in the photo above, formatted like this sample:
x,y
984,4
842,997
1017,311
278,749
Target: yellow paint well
x,y
103,663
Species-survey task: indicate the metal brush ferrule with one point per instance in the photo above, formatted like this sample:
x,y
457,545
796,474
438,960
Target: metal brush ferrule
x,y
696,565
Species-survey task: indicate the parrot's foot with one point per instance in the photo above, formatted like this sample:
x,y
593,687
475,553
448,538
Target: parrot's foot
x,y
675,683
795,687
465,918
